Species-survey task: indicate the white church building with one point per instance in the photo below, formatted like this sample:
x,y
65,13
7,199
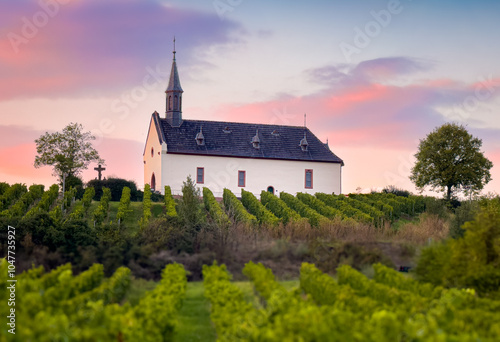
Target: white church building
x,y
234,155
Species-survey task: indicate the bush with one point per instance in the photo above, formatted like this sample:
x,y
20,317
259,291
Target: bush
x,y
169,202
278,207
87,197
256,208
44,204
116,186
146,206
319,206
11,195
214,209
123,207
236,209
470,262
315,219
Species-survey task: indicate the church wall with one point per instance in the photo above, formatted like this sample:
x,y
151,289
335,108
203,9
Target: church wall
x,y
222,172
153,162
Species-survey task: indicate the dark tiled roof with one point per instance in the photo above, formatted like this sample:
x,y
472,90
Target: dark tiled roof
x,y
276,142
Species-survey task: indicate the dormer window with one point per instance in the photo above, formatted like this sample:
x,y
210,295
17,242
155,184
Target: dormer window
x,y
256,141
226,129
275,133
200,139
303,143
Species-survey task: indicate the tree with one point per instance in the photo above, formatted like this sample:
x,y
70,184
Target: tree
x,y
69,152
449,159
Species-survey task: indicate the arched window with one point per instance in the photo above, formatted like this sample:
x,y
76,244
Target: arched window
x,y
180,103
176,103
153,182
170,102
152,151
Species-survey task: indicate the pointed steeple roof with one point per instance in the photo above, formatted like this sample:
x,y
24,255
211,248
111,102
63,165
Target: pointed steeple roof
x,y
174,83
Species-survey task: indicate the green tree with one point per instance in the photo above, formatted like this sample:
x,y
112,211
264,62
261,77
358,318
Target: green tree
x,y
449,159
191,211
69,152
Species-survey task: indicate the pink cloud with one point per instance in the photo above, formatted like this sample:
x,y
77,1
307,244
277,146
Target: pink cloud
x,y
123,159
98,46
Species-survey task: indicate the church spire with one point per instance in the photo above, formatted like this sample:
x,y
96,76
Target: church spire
x,y
174,96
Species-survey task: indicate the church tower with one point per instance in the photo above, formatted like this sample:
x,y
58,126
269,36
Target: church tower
x,y
174,96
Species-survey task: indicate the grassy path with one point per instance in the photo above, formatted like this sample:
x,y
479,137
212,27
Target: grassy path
x,y
194,317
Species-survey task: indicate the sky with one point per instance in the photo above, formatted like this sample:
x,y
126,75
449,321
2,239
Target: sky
x,y
373,77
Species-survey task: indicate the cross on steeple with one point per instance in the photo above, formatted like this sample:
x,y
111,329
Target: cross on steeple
x,y
99,170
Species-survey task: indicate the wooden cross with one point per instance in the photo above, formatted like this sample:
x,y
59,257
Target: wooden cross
x,y
99,170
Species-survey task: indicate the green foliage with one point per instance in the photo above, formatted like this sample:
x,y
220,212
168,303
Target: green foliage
x,y
315,219
470,262
278,207
3,187
191,208
352,208
68,152
21,206
146,206
47,200
253,205
116,186
69,196
231,315
11,195
214,209
466,212
450,159
124,206
169,202
87,197
236,209
101,212
319,206
263,279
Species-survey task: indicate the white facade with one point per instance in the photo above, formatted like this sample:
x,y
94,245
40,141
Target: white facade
x,y
260,174
152,158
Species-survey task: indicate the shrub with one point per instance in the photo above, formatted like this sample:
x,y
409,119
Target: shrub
x,y
315,219
319,206
11,195
278,207
169,202
236,209
87,197
116,186
123,207
214,209
146,206
472,261
44,204
256,208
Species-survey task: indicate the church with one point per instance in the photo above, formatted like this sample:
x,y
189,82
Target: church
x,y
234,155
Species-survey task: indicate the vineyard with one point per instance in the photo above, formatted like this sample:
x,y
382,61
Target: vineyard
x,y
270,210
350,307
96,254
389,307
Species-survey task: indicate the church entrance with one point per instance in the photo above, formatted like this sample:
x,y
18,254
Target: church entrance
x,y
153,182
270,189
